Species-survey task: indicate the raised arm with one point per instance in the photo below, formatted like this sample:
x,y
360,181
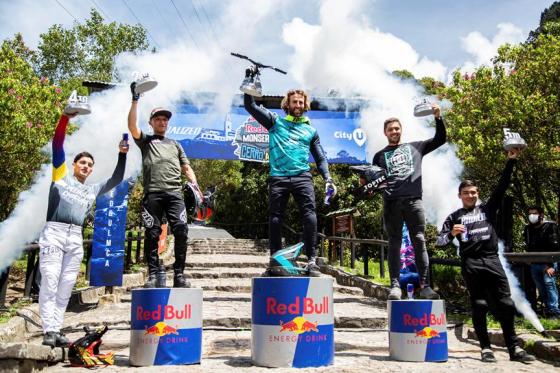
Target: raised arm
x,y
133,120
495,199
320,157
58,157
261,115
438,139
118,173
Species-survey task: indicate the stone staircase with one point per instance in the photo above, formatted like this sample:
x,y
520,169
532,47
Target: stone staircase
x,y
224,269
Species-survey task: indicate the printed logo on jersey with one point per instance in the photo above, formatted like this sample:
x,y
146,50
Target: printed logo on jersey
x,y
399,162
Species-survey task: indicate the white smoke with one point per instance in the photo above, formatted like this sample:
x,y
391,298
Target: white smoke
x,y
517,294
341,52
180,70
344,53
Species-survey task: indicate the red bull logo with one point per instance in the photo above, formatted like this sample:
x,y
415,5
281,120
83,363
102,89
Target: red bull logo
x,y
160,329
169,312
298,325
427,333
303,305
425,320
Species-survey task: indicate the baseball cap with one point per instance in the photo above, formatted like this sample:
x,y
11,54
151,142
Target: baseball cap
x,y
160,111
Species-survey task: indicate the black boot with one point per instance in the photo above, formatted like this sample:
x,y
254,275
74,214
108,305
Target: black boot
x,y
151,282
180,282
49,339
61,340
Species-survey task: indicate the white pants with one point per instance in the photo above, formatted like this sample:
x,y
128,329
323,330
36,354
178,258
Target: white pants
x,y
61,253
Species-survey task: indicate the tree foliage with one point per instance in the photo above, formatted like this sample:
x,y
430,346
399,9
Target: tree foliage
x,y
87,51
520,91
29,108
549,15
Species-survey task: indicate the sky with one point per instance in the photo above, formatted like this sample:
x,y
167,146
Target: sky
x,y
446,35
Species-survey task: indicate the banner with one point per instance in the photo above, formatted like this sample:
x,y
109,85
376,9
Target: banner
x,y
107,255
237,136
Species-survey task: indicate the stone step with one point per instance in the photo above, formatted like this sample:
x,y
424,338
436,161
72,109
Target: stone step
x,y
226,260
243,285
206,251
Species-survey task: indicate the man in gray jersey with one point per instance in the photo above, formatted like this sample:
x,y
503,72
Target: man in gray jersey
x,y
61,244
163,160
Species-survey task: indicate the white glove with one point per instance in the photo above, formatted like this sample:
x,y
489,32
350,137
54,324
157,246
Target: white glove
x,y
330,185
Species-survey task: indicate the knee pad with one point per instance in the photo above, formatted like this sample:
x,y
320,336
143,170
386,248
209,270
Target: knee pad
x,y
479,304
153,233
507,302
180,232
276,220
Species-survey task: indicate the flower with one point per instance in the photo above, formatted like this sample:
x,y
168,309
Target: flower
x,y
29,124
58,89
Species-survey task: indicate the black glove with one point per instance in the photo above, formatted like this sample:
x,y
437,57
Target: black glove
x,y
135,96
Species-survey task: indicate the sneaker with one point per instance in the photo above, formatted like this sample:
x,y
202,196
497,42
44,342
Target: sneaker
x,y
313,270
61,340
151,282
521,355
487,356
180,282
428,293
49,339
395,293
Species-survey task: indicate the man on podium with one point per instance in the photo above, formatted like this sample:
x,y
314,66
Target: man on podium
x,y
473,226
163,160
291,139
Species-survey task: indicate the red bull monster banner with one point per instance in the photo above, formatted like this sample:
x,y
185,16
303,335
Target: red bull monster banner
x,y
417,330
166,327
292,322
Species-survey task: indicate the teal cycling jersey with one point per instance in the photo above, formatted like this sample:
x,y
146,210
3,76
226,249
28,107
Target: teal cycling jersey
x,y
290,140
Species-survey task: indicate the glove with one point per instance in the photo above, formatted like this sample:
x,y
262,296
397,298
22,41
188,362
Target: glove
x,y
330,185
135,96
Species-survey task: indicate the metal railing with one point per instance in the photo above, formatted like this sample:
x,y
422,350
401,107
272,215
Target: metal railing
x,y
31,287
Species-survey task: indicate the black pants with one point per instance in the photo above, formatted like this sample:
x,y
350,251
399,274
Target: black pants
x,y
409,211
154,205
279,190
489,290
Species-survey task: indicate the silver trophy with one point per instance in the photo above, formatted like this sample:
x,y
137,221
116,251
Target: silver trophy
x,y
251,85
513,140
144,83
77,104
424,108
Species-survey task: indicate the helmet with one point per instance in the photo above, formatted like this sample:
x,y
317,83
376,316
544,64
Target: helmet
x,y
193,197
372,178
84,352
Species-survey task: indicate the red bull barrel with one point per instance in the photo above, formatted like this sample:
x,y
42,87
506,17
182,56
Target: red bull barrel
x,y
166,327
417,330
292,322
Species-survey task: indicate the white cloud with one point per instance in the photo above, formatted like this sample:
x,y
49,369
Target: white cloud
x,y
345,53
483,49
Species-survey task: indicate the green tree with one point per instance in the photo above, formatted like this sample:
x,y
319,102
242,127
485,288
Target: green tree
x,y
29,108
87,51
520,91
549,15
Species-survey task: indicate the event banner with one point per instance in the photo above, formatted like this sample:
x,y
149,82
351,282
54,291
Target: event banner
x,y
237,136
107,255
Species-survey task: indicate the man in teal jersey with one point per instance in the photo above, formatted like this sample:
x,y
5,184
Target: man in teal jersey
x,y
291,139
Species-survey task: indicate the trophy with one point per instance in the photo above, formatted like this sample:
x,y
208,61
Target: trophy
x,y
144,83
251,85
77,104
424,108
513,140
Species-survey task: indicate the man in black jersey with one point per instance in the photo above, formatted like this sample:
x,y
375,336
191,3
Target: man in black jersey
x,y
402,199
473,226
